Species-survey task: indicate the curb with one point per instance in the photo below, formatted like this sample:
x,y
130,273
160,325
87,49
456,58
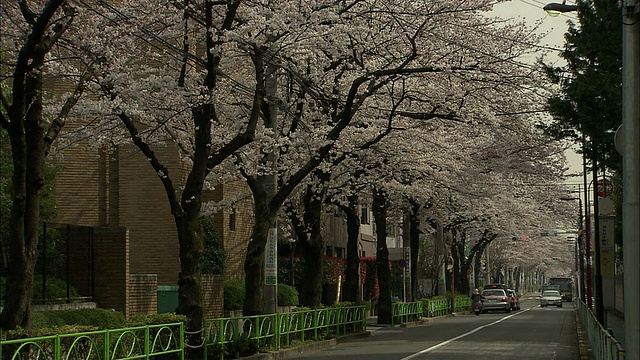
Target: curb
x,y
323,344
297,350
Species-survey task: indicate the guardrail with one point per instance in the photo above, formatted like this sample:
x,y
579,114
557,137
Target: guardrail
x,y
603,345
124,344
402,312
433,308
412,311
281,329
440,307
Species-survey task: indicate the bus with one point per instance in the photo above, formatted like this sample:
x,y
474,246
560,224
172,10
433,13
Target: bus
x,y
566,286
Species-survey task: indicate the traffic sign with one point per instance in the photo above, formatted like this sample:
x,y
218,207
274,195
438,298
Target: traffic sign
x,y
402,263
605,188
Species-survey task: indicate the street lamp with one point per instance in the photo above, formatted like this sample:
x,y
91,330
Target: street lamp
x,y
555,9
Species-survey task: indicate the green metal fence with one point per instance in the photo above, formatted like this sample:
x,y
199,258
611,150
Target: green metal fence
x,y
143,342
433,308
440,307
604,346
411,311
166,341
402,312
282,329
462,304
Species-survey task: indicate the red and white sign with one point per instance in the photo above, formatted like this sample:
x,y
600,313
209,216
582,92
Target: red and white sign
x,y
605,188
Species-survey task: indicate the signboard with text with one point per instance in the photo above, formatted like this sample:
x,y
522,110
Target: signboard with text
x,y
271,258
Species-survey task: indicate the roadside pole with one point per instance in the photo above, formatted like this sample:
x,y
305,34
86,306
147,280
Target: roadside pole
x,y
631,174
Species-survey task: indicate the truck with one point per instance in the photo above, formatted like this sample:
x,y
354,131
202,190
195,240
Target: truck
x,y
566,286
546,287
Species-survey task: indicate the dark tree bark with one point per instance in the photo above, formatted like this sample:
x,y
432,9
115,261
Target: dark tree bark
x,y
379,208
311,295
254,262
30,142
414,244
352,272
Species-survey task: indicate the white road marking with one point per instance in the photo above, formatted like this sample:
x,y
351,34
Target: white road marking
x,y
434,347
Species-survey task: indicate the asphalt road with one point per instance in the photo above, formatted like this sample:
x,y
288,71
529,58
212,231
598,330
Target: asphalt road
x,y
530,333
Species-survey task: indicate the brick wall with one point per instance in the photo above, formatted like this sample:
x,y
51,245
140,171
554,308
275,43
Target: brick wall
x,y
143,294
213,296
236,241
111,264
77,185
144,209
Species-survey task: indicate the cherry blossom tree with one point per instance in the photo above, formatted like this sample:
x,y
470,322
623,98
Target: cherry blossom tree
x,y
362,48
34,36
179,74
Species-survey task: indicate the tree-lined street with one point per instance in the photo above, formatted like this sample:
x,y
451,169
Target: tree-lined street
x,y
417,121
530,333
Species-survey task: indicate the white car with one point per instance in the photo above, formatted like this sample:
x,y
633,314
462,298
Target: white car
x,y
551,297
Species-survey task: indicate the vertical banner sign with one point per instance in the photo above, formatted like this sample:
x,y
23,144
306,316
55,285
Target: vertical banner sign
x,y
271,258
407,269
607,259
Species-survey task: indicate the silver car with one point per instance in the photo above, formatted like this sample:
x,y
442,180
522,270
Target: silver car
x,y
496,299
551,297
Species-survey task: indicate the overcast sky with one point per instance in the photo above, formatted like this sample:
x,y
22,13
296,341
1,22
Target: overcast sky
x,y
531,12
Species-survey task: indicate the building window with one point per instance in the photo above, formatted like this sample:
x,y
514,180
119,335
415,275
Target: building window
x,y
340,252
364,215
391,231
232,220
329,251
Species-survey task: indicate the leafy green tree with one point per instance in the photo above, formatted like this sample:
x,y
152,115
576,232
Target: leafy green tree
x,y
213,257
589,102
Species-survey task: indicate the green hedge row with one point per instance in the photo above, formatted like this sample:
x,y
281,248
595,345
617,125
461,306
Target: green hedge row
x,y
52,322
234,295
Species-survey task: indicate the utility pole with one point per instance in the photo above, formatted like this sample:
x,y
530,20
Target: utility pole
x,y
631,174
270,181
596,240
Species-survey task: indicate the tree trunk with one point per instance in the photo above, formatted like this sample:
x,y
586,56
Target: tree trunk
x,y
189,280
28,152
414,243
379,208
352,272
254,262
312,251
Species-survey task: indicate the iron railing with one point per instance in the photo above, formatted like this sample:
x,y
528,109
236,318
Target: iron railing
x,y
281,329
603,344
440,307
274,331
140,342
402,312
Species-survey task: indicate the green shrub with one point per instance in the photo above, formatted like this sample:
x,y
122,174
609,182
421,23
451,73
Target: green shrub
x,y
99,318
344,304
56,330
240,347
213,258
287,295
55,293
233,294
156,319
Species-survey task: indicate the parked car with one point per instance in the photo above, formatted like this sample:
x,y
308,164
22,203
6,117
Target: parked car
x,y
551,297
514,299
496,299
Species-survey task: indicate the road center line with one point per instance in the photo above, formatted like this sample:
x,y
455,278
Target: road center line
x,y
434,347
